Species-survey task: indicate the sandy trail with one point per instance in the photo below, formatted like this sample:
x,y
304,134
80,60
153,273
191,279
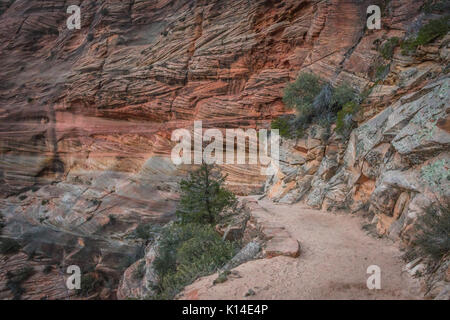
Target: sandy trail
x,y
335,254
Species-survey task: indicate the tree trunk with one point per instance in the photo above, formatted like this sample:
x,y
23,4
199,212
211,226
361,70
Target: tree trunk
x,y
210,217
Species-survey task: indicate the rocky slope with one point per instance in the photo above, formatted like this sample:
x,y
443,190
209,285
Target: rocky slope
x,y
86,115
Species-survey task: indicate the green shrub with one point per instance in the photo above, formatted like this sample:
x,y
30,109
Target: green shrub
x,y
301,93
283,125
203,196
315,101
344,94
186,252
387,49
365,94
15,280
324,99
9,246
428,33
344,121
323,108
381,72
433,233
433,30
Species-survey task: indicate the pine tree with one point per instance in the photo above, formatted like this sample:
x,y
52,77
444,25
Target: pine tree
x,y
203,196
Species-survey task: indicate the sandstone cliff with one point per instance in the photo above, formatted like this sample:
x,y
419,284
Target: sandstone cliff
x,y
86,115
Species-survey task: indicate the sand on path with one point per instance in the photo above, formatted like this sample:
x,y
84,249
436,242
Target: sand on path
x,y
335,255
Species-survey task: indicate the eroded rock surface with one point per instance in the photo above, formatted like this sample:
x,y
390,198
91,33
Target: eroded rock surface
x,y
86,115
394,164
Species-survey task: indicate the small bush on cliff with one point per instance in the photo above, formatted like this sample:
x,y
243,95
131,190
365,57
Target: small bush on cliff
x,y
288,126
343,94
301,93
381,71
428,33
315,101
203,196
433,233
186,252
283,125
344,121
387,49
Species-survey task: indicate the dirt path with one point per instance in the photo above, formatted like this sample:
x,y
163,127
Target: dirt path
x,y
335,254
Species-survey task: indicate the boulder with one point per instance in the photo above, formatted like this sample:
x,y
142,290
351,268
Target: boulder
x,y
245,254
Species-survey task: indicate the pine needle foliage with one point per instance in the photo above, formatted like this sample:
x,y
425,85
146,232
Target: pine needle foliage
x,y
203,196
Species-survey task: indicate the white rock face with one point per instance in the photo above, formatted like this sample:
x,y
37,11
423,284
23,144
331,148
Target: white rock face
x,y
393,165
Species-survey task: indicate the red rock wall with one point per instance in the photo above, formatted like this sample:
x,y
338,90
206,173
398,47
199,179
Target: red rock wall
x,y
108,95
92,110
